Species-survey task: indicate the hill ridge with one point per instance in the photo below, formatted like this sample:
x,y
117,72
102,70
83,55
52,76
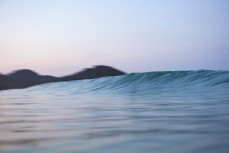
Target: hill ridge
x,y
24,78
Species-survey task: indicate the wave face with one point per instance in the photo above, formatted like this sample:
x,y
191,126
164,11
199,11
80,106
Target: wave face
x,y
142,82
177,111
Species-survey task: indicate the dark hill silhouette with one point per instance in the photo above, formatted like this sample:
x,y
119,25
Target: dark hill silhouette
x,y
95,72
10,83
29,75
26,78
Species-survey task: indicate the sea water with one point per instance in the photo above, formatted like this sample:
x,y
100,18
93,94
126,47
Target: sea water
x,y
161,112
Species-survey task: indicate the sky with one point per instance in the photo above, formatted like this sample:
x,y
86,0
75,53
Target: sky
x,y
59,37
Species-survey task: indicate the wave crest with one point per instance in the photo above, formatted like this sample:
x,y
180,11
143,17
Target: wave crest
x,y
143,82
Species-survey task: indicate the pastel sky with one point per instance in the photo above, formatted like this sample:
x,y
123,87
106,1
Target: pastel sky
x,y
59,37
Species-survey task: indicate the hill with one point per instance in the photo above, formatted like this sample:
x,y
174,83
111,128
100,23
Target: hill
x,y
94,72
10,83
28,75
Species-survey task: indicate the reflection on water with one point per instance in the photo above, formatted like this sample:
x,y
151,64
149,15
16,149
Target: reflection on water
x,y
57,118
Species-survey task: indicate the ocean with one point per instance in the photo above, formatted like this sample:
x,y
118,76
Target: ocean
x,y
161,112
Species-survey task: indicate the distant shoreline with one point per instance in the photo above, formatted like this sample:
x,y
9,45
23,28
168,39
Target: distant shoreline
x,y
26,78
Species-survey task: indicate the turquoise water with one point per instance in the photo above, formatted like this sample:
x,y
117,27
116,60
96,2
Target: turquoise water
x,y
175,112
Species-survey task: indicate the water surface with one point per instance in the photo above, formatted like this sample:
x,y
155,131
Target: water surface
x,y
176,112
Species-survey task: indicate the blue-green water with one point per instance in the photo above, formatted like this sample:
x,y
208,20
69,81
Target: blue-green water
x,y
161,112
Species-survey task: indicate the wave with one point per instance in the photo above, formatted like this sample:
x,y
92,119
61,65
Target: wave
x,y
142,82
